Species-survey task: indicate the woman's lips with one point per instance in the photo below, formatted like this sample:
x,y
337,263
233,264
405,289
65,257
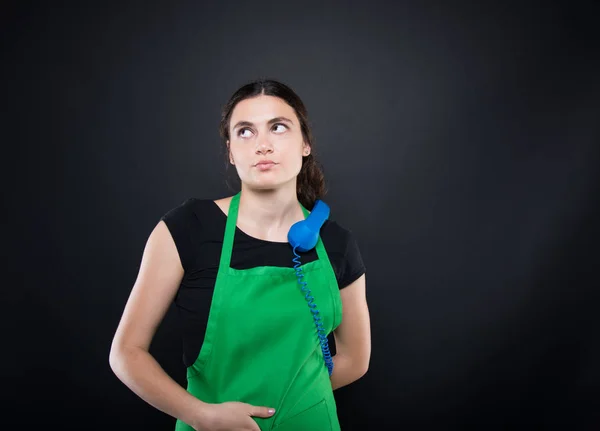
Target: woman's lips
x,y
265,166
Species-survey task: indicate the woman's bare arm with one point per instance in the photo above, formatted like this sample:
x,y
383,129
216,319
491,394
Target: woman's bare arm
x,y
352,336
157,282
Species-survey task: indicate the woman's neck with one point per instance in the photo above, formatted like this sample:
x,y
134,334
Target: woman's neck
x,y
268,214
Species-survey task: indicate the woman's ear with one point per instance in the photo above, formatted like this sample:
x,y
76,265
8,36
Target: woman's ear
x,y
306,150
229,153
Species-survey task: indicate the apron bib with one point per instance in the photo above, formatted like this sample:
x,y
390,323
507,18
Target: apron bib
x,y
261,344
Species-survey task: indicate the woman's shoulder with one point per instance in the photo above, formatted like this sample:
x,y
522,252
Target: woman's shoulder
x,y
332,226
344,251
193,208
337,234
223,204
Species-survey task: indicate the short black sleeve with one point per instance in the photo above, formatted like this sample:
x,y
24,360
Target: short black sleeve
x,y
353,266
180,221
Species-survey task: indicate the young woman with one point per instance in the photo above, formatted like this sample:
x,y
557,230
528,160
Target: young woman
x,y
255,310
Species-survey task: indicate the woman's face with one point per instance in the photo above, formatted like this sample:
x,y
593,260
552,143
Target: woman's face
x,y
266,144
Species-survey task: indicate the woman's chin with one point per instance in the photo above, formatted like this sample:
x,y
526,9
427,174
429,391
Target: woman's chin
x,y
267,184
263,186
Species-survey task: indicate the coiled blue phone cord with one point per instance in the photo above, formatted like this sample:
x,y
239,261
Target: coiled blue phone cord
x,y
315,312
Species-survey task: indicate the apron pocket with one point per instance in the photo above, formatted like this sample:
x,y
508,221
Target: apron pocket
x,y
313,418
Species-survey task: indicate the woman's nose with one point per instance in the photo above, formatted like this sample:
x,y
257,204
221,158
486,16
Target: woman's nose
x,y
263,145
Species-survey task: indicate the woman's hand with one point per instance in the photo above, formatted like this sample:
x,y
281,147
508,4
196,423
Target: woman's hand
x,y
231,415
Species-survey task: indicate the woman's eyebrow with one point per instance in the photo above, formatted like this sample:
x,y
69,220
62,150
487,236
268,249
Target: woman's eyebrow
x,y
271,121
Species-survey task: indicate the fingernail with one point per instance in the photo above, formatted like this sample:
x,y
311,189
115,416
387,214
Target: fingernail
x,y
271,411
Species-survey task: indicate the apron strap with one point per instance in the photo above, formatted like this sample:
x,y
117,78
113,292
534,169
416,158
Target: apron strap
x,y
232,214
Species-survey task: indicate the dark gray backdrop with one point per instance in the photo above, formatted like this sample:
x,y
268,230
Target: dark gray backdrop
x,y
460,145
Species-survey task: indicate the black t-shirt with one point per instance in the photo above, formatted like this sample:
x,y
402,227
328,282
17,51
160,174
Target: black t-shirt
x,y
197,227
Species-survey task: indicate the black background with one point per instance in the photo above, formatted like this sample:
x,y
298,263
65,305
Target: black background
x,y
460,144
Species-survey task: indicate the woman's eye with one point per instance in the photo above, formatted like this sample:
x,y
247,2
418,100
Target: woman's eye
x,y
242,131
283,127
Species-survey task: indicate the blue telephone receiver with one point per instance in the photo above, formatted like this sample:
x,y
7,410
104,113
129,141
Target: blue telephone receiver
x,y
303,236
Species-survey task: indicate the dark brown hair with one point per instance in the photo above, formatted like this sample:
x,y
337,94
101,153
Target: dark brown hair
x,y
310,184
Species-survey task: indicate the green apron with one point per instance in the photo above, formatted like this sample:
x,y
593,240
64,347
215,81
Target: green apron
x,y
261,344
